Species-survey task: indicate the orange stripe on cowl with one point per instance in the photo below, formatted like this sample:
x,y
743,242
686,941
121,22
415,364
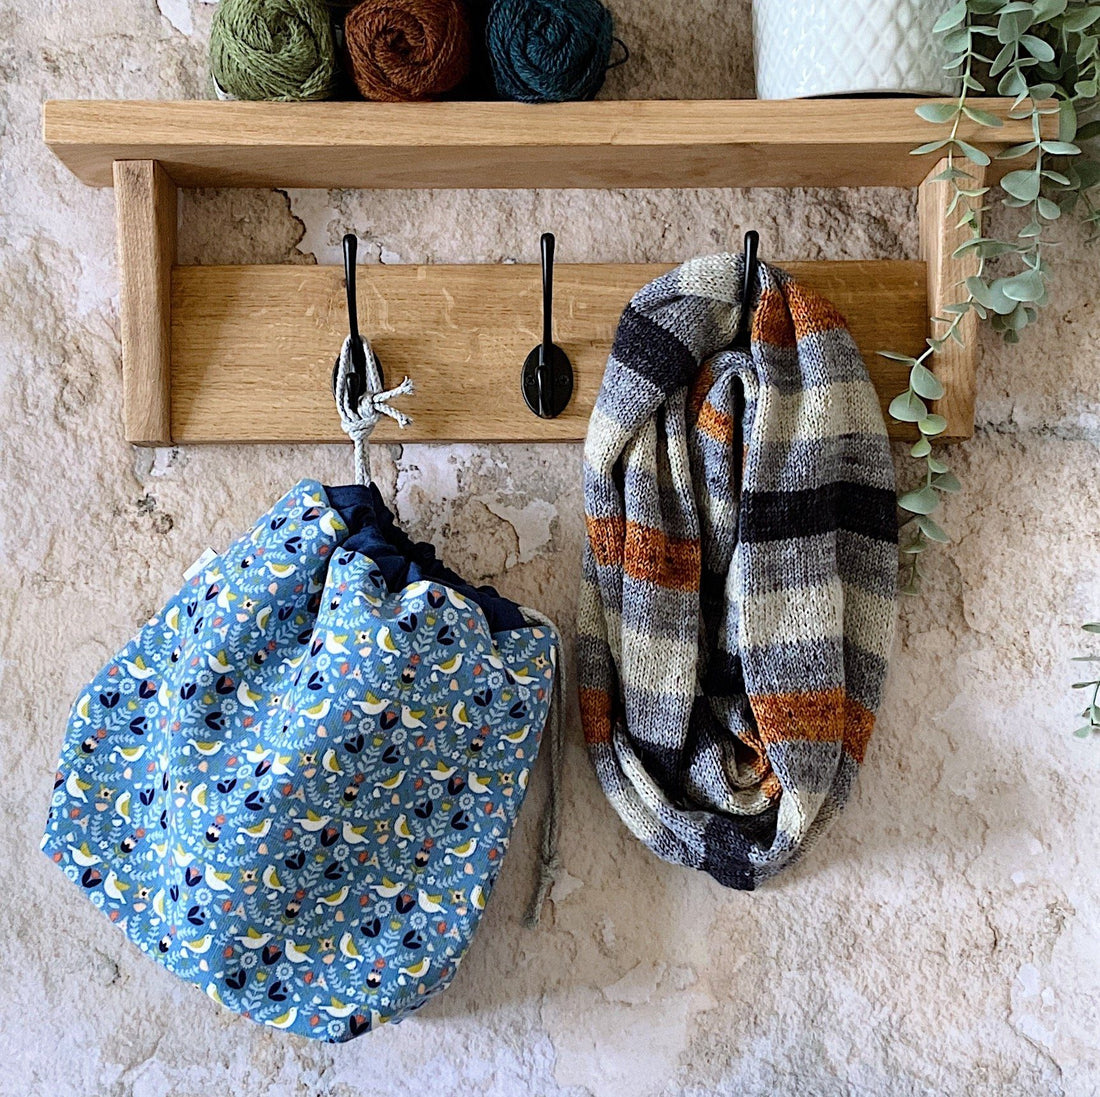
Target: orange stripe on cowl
x,y
784,316
596,715
823,716
653,557
607,537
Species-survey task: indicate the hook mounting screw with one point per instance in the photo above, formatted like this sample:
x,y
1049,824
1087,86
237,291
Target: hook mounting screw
x,y
547,378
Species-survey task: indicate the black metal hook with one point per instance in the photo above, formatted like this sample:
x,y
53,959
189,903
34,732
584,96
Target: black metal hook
x,y
742,338
356,381
547,378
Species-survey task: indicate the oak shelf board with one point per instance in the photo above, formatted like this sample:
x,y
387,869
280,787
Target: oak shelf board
x,y
252,347
606,143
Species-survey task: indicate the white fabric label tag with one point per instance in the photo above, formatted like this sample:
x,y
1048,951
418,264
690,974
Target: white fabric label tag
x,y
208,555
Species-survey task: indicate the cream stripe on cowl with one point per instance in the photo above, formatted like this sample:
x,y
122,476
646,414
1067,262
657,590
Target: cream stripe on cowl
x,y
753,491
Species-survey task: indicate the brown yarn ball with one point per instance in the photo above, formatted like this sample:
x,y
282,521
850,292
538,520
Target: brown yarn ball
x,y
403,50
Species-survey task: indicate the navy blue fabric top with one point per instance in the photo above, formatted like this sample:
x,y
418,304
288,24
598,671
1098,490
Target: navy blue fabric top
x,y
373,531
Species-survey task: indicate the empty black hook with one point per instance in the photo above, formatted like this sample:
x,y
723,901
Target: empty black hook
x,y
752,248
357,379
547,379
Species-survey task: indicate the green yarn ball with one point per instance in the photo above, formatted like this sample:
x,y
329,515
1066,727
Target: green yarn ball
x,y
273,49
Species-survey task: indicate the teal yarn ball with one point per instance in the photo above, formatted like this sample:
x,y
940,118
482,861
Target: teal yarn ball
x,y
549,51
281,50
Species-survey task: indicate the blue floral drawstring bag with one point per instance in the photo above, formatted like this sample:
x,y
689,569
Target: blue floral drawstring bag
x,y
295,786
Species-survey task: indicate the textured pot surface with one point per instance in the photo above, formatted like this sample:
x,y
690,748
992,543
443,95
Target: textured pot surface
x,y
849,47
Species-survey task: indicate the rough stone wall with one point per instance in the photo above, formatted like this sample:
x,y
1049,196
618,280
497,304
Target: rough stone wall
x,y
942,940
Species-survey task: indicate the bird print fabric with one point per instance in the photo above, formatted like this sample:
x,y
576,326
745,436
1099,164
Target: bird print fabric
x,y
295,786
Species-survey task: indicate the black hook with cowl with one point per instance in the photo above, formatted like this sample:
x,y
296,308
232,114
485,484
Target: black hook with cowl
x,y
742,338
547,378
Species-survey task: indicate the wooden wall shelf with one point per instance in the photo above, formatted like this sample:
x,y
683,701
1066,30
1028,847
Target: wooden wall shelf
x,y
244,354
649,143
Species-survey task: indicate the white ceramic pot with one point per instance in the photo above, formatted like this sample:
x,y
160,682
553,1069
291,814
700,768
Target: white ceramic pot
x,y
849,47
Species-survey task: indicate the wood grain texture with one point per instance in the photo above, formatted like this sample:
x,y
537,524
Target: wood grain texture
x,y
145,209
956,366
651,143
253,347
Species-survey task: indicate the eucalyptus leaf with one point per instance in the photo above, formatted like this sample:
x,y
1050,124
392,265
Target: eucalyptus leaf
x,y
922,501
907,407
948,482
950,18
975,155
936,465
1014,152
1023,184
1048,209
1017,319
957,41
990,249
983,117
1084,732
924,382
1092,626
1012,83
1061,148
932,530
1011,26
1027,286
1067,120
937,112
1040,50
931,425
930,146
1045,10
1081,19
921,448
978,288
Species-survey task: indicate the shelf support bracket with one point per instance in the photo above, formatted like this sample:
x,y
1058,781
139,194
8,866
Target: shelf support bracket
x,y
956,366
146,211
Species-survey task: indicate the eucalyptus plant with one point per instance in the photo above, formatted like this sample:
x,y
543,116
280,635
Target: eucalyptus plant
x,y
1045,56
1092,710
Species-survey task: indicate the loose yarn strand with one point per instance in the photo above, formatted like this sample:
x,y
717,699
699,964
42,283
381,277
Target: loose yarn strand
x,y
549,855
358,421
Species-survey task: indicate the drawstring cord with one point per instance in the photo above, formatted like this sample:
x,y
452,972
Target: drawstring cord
x,y
359,421
549,856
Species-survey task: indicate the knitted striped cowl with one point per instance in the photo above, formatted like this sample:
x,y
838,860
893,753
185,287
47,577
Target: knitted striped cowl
x,y
737,602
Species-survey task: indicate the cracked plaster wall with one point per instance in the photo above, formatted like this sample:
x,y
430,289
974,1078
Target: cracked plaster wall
x,y
943,940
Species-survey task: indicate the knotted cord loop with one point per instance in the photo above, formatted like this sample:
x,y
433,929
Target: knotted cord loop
x,y
359,421
549,857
